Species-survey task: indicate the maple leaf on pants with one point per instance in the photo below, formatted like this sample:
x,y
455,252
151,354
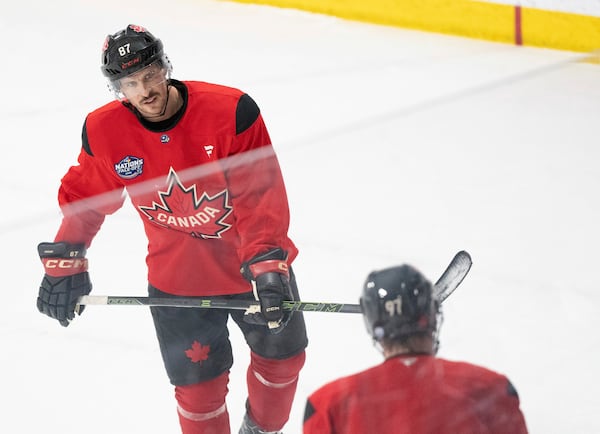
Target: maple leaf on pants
x,y
198,353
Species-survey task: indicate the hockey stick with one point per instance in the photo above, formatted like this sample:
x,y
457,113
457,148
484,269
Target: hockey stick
x,y
446,284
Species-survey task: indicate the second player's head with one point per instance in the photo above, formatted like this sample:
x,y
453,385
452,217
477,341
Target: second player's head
x,y
398,303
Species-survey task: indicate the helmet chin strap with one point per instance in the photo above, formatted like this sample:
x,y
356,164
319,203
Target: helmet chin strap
x,y
166,100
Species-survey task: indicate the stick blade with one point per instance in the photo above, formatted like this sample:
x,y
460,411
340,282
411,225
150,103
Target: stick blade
x,y
454,274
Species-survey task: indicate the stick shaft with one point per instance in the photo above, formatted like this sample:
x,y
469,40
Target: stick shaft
x,y
214,303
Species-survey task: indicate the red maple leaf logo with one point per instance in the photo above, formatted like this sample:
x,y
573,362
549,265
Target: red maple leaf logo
x,y
180,208
198,353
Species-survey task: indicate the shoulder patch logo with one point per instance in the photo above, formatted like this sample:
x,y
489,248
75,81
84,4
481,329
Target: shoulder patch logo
x,y
129,167
181,208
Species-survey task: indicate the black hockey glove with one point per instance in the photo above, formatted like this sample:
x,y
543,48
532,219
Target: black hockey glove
x,y
269,276
65,280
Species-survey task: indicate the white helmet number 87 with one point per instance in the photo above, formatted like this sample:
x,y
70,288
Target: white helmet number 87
x,y
124,50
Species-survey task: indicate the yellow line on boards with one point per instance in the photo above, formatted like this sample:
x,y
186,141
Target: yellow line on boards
x,y
469,18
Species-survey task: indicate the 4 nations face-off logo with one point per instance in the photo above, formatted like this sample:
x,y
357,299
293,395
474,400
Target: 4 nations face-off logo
x,y
181,209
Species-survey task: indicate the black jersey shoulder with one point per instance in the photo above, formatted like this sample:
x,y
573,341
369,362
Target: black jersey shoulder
x,y
246,113
309,410
85,143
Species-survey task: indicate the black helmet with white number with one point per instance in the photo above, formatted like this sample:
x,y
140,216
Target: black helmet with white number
x,y
398,302
130,50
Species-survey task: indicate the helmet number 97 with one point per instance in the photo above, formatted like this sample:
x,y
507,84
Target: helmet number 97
x,y
124,50
394,307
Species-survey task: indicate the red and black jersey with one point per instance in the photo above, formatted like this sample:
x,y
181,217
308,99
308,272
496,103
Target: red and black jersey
x,y
416,395
206,184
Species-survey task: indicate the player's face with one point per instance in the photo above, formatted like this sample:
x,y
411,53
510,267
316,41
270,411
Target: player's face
x,y
147,90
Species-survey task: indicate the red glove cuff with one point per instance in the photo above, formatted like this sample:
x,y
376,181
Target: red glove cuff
x,y
61,267
270,266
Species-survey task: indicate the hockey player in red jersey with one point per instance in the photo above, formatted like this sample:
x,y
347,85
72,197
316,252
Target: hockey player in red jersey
x,y
197,163
412,391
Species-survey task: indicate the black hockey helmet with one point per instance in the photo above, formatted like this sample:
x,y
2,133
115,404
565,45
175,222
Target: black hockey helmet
x,y
398,302
130,50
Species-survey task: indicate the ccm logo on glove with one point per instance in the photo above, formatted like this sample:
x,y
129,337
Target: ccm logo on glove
x,y
64,267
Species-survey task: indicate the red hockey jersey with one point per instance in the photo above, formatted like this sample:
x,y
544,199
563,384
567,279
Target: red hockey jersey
x,y
416,395
207,187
